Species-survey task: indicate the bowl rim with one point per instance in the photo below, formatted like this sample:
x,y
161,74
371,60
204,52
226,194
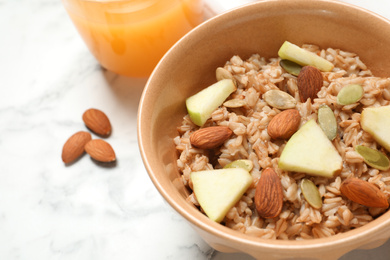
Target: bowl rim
x,y
203,222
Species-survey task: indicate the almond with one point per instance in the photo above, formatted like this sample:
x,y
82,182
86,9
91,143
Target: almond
x,y
210,137
364,193
309,82
97,122
100,150
269,194
74,146
284,124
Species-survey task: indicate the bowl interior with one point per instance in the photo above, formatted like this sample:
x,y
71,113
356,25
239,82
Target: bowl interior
x,y
255,28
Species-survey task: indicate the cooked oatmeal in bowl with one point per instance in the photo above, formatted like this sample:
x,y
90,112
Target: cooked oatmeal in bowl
x,y
292,171
311,140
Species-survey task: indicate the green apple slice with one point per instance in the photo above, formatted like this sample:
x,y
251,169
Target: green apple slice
x,y
376,122
201,105
292,52
310,151
217,191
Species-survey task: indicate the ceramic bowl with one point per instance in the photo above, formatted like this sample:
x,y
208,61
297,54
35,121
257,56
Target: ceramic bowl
x,y
190,66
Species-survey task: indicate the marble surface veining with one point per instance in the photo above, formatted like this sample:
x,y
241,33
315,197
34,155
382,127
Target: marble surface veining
x,y
85,210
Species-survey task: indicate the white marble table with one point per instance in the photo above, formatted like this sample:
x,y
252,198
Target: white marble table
x,y
83,211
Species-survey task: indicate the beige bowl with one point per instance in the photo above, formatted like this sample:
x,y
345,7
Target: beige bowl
x,y
190,66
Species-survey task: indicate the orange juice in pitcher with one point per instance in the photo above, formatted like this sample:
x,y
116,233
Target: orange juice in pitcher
x,y
129,37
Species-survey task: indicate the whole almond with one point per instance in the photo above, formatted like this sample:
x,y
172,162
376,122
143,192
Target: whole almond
x,y
97,122
309,82
74,146
269,194
284,124
364,193
210,137
100,150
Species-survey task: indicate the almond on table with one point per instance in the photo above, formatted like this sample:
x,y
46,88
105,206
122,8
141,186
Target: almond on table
x,y
82,141
100,150
97,121
74,146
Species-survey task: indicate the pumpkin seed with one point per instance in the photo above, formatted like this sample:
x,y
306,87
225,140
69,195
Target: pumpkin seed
x,y
350,94
327,121
233,103
241,163
311,193
222,73
291,67
373,157
279,99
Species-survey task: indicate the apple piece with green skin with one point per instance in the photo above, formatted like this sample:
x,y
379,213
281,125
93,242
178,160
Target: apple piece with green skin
x,y
201,105
376,122
310,151
217,191
292,52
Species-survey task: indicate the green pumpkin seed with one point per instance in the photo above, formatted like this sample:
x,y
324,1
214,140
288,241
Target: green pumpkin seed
x,y
234,103
373,157
350,94
291,67
327,121
279,99
222,73
244,164
311,193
